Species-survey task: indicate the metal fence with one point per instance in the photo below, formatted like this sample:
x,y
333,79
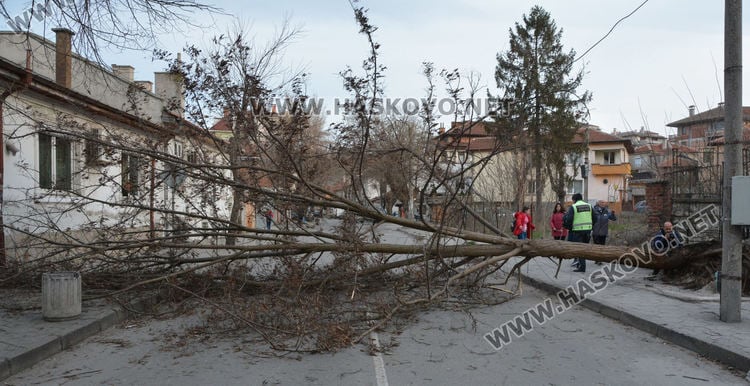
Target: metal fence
x,y
498,214
696,176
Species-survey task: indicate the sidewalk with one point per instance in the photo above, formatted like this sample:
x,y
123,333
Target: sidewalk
x,y
678,316
689,319
26,338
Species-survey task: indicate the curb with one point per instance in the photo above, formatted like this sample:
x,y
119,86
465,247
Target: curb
x,y
738,360
14,365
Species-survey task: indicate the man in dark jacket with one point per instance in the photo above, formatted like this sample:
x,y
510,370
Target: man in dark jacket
x,y
601,216
666,240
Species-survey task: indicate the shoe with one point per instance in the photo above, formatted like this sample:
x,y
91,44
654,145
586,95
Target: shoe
x,y
579,270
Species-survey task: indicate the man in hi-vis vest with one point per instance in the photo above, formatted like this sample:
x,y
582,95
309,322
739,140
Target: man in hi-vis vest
x,y
580,222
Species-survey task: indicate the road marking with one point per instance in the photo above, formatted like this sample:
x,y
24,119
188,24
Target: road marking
x,y
380,375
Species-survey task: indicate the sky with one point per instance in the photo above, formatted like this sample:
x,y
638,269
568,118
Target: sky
x,y
666,56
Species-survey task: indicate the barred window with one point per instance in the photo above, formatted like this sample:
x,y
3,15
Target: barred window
x,y
130,167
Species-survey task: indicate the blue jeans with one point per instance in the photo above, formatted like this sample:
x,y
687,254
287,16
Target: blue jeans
x,y
522,236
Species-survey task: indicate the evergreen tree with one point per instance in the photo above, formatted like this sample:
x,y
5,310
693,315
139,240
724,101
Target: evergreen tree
x,y
537,75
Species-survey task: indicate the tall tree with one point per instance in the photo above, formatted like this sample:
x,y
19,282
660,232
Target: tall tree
x,y
537,74
241,77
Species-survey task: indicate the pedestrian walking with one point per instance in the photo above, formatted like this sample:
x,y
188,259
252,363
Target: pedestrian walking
x,y
269,218
556,223
579,220
601,216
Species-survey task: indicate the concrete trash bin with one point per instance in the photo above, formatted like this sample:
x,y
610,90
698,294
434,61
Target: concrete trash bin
x,y
61,296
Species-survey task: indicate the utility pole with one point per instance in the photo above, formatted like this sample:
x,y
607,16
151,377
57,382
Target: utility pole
x,y
585,169
731,244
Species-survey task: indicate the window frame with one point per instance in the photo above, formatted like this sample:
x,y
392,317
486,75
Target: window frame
x,y
52,174
570,189
130,174
605,156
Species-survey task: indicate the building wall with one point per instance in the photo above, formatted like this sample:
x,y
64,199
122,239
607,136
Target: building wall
x,y
88,78
608,187
659,199
96,197
496,182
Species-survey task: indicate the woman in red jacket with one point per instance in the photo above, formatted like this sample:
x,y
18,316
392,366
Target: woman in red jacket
x,y
523,223
556,223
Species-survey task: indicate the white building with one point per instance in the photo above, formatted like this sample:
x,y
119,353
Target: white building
x,y
85,147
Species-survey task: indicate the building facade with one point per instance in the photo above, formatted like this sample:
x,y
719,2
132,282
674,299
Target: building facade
x,y
86,148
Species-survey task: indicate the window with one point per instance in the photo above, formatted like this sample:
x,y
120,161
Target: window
x,y
129,176
93,150
54,162
609,158
531,185
177,150
637,161
573,158
575,186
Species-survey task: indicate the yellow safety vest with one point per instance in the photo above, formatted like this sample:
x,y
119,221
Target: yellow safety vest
x,y
582,220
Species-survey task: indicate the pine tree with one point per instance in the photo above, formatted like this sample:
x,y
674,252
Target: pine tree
x,y
537,75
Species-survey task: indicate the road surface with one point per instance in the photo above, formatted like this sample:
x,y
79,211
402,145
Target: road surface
x,y
441,348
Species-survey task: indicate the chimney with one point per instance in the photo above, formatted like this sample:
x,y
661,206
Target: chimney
x,y
691,110
169,87
227,111
63,57
124,72
441,130
145,85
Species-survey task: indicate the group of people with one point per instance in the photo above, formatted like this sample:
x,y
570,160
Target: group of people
x,y
580,223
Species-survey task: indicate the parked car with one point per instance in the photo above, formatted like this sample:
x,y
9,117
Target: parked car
x,y
641,207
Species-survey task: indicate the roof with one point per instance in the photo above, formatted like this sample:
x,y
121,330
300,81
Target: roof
x,y
640,134
682,161
467,129
221,125
473,141
50,89
660,148
719,140
596,136
715,114
482,144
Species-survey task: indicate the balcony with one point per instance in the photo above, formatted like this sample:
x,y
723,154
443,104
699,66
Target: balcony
x,y
610,170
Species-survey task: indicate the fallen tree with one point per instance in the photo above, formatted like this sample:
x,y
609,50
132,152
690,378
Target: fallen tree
x,y
297,287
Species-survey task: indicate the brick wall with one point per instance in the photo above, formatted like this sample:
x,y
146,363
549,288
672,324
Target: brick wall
x,y
659,201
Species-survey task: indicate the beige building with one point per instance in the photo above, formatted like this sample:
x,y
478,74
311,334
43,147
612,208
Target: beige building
x,y
496,168
609,165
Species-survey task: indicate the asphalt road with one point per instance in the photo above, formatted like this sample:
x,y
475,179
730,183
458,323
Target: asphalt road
x,y
442,348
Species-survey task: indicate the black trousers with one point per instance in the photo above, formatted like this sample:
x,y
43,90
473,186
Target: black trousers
x,y
580,237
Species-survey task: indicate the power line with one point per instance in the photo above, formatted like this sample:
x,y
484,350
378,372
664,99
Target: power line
x,y
610,31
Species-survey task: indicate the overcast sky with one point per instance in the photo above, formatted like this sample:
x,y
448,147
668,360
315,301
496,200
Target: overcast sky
x,y
643,74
